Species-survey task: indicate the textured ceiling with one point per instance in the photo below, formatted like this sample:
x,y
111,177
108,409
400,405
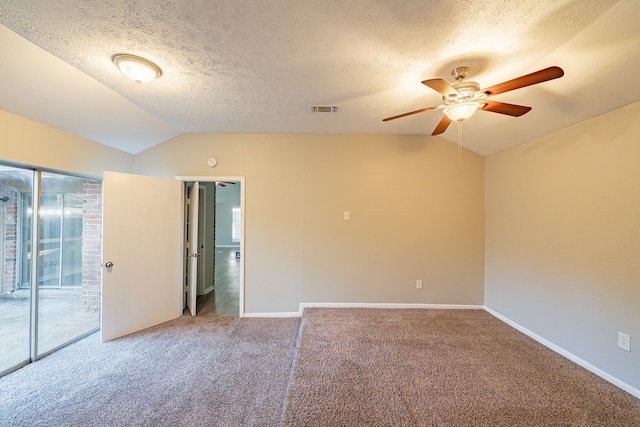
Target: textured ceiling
x,y
255,66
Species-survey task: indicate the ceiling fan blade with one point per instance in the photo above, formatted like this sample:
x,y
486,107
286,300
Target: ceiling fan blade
x,y
441,86
409,113
504,108
442,126
524,81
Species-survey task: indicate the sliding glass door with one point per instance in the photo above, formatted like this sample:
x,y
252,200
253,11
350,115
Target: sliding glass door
x,y
16,198
50,291
64,311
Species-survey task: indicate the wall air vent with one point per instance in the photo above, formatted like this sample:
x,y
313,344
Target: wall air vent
x,y
323,108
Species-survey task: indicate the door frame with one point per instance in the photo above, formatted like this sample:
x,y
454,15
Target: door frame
x,y
202,232
241,181
192,193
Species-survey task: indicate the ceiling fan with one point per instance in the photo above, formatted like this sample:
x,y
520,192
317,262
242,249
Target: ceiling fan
x,y
224,183
462,99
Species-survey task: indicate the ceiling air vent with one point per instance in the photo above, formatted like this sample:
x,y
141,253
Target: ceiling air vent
x,y
323,108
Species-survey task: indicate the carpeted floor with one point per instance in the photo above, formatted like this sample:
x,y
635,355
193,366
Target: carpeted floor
x,y
201,371
335,367
375,367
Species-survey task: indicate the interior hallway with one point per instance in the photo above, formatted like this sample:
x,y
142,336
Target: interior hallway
x,y
224,299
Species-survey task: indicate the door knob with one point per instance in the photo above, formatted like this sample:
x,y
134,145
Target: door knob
x,y
108,264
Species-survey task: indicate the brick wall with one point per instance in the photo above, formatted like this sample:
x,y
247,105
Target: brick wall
x,y
91,244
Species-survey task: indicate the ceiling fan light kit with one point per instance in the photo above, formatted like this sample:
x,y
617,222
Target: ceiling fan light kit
x,y
463,99
136,68
461,111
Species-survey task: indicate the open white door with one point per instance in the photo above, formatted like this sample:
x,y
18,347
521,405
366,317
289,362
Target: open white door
x,y
194,248
141,252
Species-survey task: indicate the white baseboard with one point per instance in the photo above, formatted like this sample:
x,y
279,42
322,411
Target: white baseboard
x,y
281,314
588,366
304,305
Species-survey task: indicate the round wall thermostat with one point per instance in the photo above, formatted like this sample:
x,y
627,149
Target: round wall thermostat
x,y
212,162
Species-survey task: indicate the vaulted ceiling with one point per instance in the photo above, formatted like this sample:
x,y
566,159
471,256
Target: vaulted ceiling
x,y
234,66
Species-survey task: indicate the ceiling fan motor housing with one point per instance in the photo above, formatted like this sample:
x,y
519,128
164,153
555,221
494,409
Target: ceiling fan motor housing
x,y
467,91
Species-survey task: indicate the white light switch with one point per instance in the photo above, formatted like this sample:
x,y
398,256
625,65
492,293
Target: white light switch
x,y
347,216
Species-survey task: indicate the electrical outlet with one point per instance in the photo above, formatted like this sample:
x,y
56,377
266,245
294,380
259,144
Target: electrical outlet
x,y
418,284
624,341
346,215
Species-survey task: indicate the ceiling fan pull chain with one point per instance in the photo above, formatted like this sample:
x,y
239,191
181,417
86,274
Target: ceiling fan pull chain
x,y
460,145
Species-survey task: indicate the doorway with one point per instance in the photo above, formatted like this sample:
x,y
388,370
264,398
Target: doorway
x,y
214,246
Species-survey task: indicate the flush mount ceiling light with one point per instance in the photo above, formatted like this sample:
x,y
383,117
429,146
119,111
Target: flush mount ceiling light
x,y
136,68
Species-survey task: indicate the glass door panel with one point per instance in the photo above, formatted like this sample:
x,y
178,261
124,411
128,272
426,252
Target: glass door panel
x,y
69,239
72,240
16,189
50,243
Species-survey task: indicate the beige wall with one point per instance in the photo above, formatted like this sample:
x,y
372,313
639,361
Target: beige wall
x,y
562,221
563,238
31,143
414,215
227,198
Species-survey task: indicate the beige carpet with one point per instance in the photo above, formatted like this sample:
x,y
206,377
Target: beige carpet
x,y
193,371
353,367
357,367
